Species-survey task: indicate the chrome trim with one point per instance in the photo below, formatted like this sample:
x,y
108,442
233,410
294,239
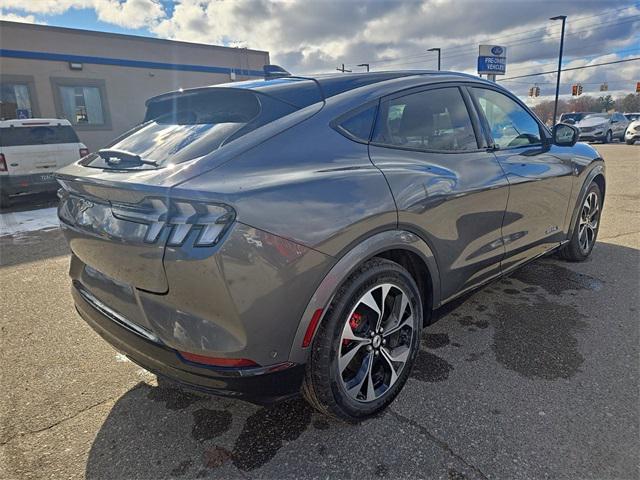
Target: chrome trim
x,y
116,317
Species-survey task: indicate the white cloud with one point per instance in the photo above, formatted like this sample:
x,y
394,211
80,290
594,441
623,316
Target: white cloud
x,y
124,13
12,17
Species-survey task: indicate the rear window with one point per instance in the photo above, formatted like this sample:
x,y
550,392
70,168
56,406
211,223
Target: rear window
x,y
188,126
37,135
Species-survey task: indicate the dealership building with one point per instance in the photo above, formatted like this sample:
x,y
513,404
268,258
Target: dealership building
x,y
100,81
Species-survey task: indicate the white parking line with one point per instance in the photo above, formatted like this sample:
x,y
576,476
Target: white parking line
x,y
30,221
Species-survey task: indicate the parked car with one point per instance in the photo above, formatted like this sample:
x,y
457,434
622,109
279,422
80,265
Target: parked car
x,y
31,151
258,239
570,118
632,135
602,127
632,116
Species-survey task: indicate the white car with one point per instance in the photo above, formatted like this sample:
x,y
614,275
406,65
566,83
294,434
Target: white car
x,y
31,151
632,134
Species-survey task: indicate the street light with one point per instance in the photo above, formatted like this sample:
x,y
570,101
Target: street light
x,y
555,105
364,65
436,50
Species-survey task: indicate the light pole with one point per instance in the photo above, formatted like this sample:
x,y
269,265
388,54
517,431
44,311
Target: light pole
x,y
555,105
436,50
364,65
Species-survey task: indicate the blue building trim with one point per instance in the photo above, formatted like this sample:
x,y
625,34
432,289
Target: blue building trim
x,y
120,62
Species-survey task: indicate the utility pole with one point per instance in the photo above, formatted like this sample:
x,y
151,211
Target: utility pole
x,y
343,69
436,50
364,65
555,105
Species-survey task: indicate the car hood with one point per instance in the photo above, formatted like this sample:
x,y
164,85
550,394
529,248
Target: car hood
x,y
592,122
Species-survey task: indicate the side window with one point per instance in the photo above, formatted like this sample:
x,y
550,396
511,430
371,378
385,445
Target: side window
x,y
431,120
358,125
510,124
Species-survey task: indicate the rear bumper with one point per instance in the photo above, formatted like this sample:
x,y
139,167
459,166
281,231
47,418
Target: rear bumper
x,y
262,385
35,183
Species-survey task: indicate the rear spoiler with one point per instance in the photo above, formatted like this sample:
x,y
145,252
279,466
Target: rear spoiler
x,y
274,71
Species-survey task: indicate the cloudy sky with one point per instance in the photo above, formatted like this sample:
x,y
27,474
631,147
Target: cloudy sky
x,y
307,36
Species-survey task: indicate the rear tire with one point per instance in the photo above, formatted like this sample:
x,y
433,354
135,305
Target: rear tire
x,y
630,142
585,229
366,344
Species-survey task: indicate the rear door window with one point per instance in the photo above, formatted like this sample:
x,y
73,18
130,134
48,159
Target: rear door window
x,y
435,120
183,127
37,135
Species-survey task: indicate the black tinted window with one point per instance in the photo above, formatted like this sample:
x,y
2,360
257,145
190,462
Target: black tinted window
x,y
359,124
194,124
431,120
510,124
40,135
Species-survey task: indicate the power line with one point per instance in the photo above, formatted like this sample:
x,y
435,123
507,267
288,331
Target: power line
x,y
572,68
473,44
517,43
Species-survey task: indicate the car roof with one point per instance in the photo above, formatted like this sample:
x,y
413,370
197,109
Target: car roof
x,y
307,89
34,122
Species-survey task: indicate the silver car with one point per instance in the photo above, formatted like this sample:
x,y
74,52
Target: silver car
x,y
602,127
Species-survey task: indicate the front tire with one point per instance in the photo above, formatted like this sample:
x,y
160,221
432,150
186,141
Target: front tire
x,y
366,344
608,138
630,142
585,230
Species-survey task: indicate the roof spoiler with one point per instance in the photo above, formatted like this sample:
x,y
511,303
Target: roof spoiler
x,y
274,71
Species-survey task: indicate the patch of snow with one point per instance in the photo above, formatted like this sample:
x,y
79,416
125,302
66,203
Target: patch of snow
x,y
30,221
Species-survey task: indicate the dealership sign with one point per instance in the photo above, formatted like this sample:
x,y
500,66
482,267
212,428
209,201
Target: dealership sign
x,y
492,60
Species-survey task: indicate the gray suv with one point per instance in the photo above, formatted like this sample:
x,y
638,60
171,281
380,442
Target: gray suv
x,y
266,238
602,127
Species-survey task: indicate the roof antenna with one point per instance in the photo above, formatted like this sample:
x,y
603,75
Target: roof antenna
x,y
274,71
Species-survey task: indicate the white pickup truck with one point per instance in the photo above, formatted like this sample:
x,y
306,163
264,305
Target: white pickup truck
x,y
31,151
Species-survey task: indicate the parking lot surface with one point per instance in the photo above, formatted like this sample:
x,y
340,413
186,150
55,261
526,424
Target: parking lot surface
x,y
535,376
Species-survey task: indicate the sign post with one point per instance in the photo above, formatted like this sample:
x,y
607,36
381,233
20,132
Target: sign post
x,y
492,61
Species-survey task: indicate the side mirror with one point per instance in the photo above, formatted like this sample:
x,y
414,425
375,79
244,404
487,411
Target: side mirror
x,y
565,135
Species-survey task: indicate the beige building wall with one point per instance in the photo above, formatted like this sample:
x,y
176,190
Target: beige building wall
x,y
124,89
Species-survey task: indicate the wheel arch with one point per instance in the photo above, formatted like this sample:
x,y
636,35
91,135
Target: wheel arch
x,y
596,174
401,246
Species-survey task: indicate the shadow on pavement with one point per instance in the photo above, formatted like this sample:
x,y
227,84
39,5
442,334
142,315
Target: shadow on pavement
x,y
525,328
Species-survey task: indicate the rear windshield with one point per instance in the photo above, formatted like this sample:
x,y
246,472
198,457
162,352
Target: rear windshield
x,y
40,135
191,125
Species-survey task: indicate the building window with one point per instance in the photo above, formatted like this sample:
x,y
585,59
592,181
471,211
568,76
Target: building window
x,y
82,105
15,101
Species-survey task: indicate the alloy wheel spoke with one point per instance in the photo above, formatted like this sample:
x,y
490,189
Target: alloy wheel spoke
x,y
370,302
385,291
371,392
349,334
407,321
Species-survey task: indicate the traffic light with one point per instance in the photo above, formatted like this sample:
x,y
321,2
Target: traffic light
x,y
574,90
531,92
638,87
579,89
536,91
604,87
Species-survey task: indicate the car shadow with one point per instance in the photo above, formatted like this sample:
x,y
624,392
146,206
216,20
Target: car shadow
x,y
164,432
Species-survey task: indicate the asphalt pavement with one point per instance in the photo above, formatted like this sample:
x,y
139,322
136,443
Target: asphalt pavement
x,y
535,376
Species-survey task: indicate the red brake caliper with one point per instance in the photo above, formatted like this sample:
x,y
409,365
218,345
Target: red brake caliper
x,y
354,323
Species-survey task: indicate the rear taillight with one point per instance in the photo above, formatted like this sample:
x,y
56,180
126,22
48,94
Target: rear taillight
x,y
207,221
84,152
3,163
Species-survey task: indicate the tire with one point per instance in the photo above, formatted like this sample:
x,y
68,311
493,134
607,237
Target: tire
x,y
577,250
340,370
630,142
608,138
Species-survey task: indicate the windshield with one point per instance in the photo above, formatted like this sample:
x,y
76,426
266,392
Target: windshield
x,y
40,135
185,126
602,116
